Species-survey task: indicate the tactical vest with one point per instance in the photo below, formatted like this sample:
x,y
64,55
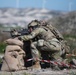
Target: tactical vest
x,y
54,31
47,35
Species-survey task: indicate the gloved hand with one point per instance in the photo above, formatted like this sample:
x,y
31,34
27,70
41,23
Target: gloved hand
x,y
19,38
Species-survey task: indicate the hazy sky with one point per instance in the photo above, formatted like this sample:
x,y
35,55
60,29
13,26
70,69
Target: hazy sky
x,y
63,5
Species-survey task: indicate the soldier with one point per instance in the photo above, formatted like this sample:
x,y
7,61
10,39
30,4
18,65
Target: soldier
x,y
46,41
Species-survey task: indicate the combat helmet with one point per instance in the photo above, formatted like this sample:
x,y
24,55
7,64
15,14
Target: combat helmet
x,y
34,24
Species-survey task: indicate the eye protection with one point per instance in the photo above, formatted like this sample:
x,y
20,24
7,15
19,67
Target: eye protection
x,y
33,27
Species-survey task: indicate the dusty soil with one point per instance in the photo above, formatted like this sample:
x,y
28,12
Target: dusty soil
x,y
40,72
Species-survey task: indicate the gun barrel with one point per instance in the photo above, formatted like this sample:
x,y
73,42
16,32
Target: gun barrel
x,y
6,31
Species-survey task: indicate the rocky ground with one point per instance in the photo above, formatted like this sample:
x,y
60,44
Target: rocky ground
x,y
41,72
47,71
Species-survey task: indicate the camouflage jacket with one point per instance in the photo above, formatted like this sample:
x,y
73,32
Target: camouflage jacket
x,y
42,33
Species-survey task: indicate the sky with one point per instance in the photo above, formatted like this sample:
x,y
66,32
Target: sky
x,y
61,5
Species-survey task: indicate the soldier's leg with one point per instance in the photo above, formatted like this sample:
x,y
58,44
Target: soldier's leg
x,y
35,55
35,52
52,46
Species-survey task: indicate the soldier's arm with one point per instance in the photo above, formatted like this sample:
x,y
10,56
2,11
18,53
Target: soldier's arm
x,y
33,34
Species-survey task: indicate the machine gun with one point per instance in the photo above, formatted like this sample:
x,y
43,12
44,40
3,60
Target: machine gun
x,y
15,33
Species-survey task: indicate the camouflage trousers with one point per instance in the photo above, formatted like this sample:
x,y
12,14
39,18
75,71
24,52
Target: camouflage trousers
x,y
53,46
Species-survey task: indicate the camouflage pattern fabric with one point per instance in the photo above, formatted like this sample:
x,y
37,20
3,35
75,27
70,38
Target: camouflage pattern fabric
x,y
50,42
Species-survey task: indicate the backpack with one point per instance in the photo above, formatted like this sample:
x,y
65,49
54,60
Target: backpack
x,y
54,31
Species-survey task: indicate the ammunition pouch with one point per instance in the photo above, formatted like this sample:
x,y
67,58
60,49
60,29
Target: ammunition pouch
x,y
40,42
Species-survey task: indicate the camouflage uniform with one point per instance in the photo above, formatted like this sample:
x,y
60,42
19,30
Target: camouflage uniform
x,y
46,42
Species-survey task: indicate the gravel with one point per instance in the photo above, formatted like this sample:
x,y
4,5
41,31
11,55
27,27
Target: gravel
x,y
40,72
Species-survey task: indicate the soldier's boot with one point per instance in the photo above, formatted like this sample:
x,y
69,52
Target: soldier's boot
x,y
57,58
36,56
37,66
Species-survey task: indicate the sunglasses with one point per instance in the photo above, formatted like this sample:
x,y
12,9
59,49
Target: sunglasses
x,y
33,27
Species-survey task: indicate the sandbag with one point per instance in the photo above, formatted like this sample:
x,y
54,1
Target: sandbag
x,y
10,63
11,48
21,61
14,42
13,58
